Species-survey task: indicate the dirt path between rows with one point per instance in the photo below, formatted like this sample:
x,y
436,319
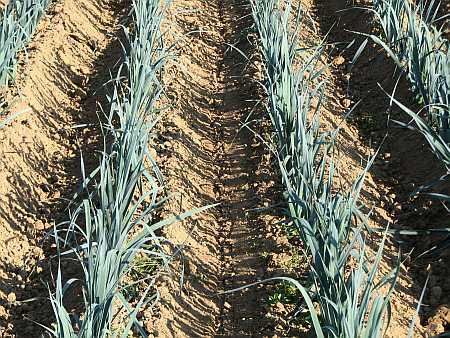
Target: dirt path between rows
x,y
60,84
239,188
208,158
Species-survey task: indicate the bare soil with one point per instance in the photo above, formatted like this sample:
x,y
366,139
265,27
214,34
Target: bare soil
x,y
58,89
209,156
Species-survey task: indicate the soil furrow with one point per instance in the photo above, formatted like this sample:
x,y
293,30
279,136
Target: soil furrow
x,y
60,86
242,260
212,159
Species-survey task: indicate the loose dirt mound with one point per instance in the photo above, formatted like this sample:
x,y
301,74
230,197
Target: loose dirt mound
x,y
207,160
39,166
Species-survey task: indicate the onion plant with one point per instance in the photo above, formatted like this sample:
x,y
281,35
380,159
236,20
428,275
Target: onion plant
x,y
344,279
417,45
18,21
115,222
414,42
442,151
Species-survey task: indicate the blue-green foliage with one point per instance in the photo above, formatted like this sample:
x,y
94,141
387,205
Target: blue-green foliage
x,y
344,282
114,221
18,20
417,45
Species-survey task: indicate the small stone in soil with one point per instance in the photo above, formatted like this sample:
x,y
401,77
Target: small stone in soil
x,y
11,297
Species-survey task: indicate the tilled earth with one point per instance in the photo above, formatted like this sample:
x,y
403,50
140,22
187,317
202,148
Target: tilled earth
x,y
210,147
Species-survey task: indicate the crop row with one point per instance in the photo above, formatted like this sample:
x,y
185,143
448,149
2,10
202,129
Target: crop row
x,y
343,280
18,21
420,48
114,221
412,39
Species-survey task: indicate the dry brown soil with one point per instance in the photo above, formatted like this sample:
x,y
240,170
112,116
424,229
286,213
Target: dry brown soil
x,y
207,157
58,89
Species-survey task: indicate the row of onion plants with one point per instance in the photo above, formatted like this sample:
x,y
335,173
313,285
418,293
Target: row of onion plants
x,y
344,281
115,220
413,35
18,20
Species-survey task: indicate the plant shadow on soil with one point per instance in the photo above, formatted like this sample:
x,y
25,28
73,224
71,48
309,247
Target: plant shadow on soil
x,y
405,161
65,170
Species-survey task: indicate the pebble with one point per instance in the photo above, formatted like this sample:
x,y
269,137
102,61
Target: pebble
x,y
346,103
39,225
280,307
447,317
339,60
11,297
